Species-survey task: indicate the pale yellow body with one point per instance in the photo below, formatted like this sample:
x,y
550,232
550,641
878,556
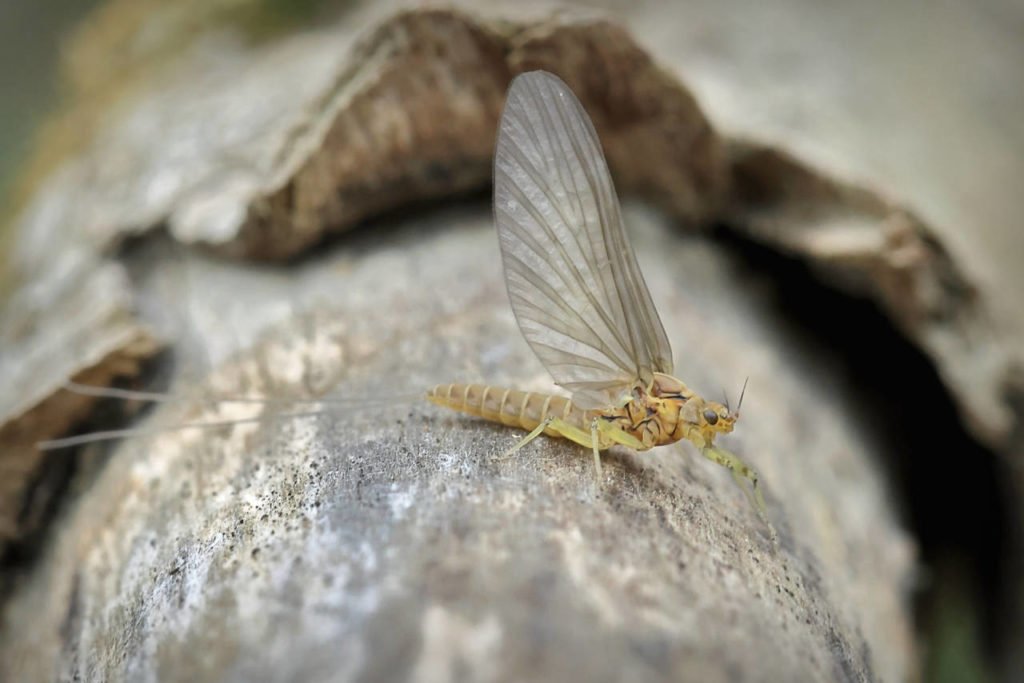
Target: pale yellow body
x,y
655,415
661,413
523,409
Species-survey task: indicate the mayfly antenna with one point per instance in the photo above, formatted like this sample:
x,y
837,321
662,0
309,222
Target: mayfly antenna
x,y
743,391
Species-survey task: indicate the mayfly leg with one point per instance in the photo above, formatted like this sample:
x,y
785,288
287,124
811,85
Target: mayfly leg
x,y
563,429
537,431
595,444
743,474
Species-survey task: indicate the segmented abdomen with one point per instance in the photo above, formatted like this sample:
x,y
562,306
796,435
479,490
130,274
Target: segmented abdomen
x,y
525,409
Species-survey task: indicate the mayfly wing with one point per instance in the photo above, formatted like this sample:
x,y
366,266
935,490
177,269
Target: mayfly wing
x,y
573,280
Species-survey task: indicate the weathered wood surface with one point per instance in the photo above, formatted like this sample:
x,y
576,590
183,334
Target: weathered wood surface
x,y
389,541
408,527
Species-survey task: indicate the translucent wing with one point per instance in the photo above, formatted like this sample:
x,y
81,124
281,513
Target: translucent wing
x,y
572,277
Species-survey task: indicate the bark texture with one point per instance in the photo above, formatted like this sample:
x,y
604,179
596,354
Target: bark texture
x,y
388,540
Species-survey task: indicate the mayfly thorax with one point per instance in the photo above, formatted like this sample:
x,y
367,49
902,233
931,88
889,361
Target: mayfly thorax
x,y
578,297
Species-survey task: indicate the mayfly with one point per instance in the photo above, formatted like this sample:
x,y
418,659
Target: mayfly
x,y
578,296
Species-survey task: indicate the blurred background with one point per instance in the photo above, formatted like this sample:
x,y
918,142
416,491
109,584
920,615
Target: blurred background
x,y
30,44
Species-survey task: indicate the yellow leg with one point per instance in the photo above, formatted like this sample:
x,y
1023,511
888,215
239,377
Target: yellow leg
x,y
613,435
602,435
595,443
740,471
538,430
568,431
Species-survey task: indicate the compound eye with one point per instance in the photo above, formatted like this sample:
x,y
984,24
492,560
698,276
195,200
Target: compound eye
x,y
711,417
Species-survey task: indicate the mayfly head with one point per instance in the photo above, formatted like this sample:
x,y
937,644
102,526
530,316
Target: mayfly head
x,y
716,418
